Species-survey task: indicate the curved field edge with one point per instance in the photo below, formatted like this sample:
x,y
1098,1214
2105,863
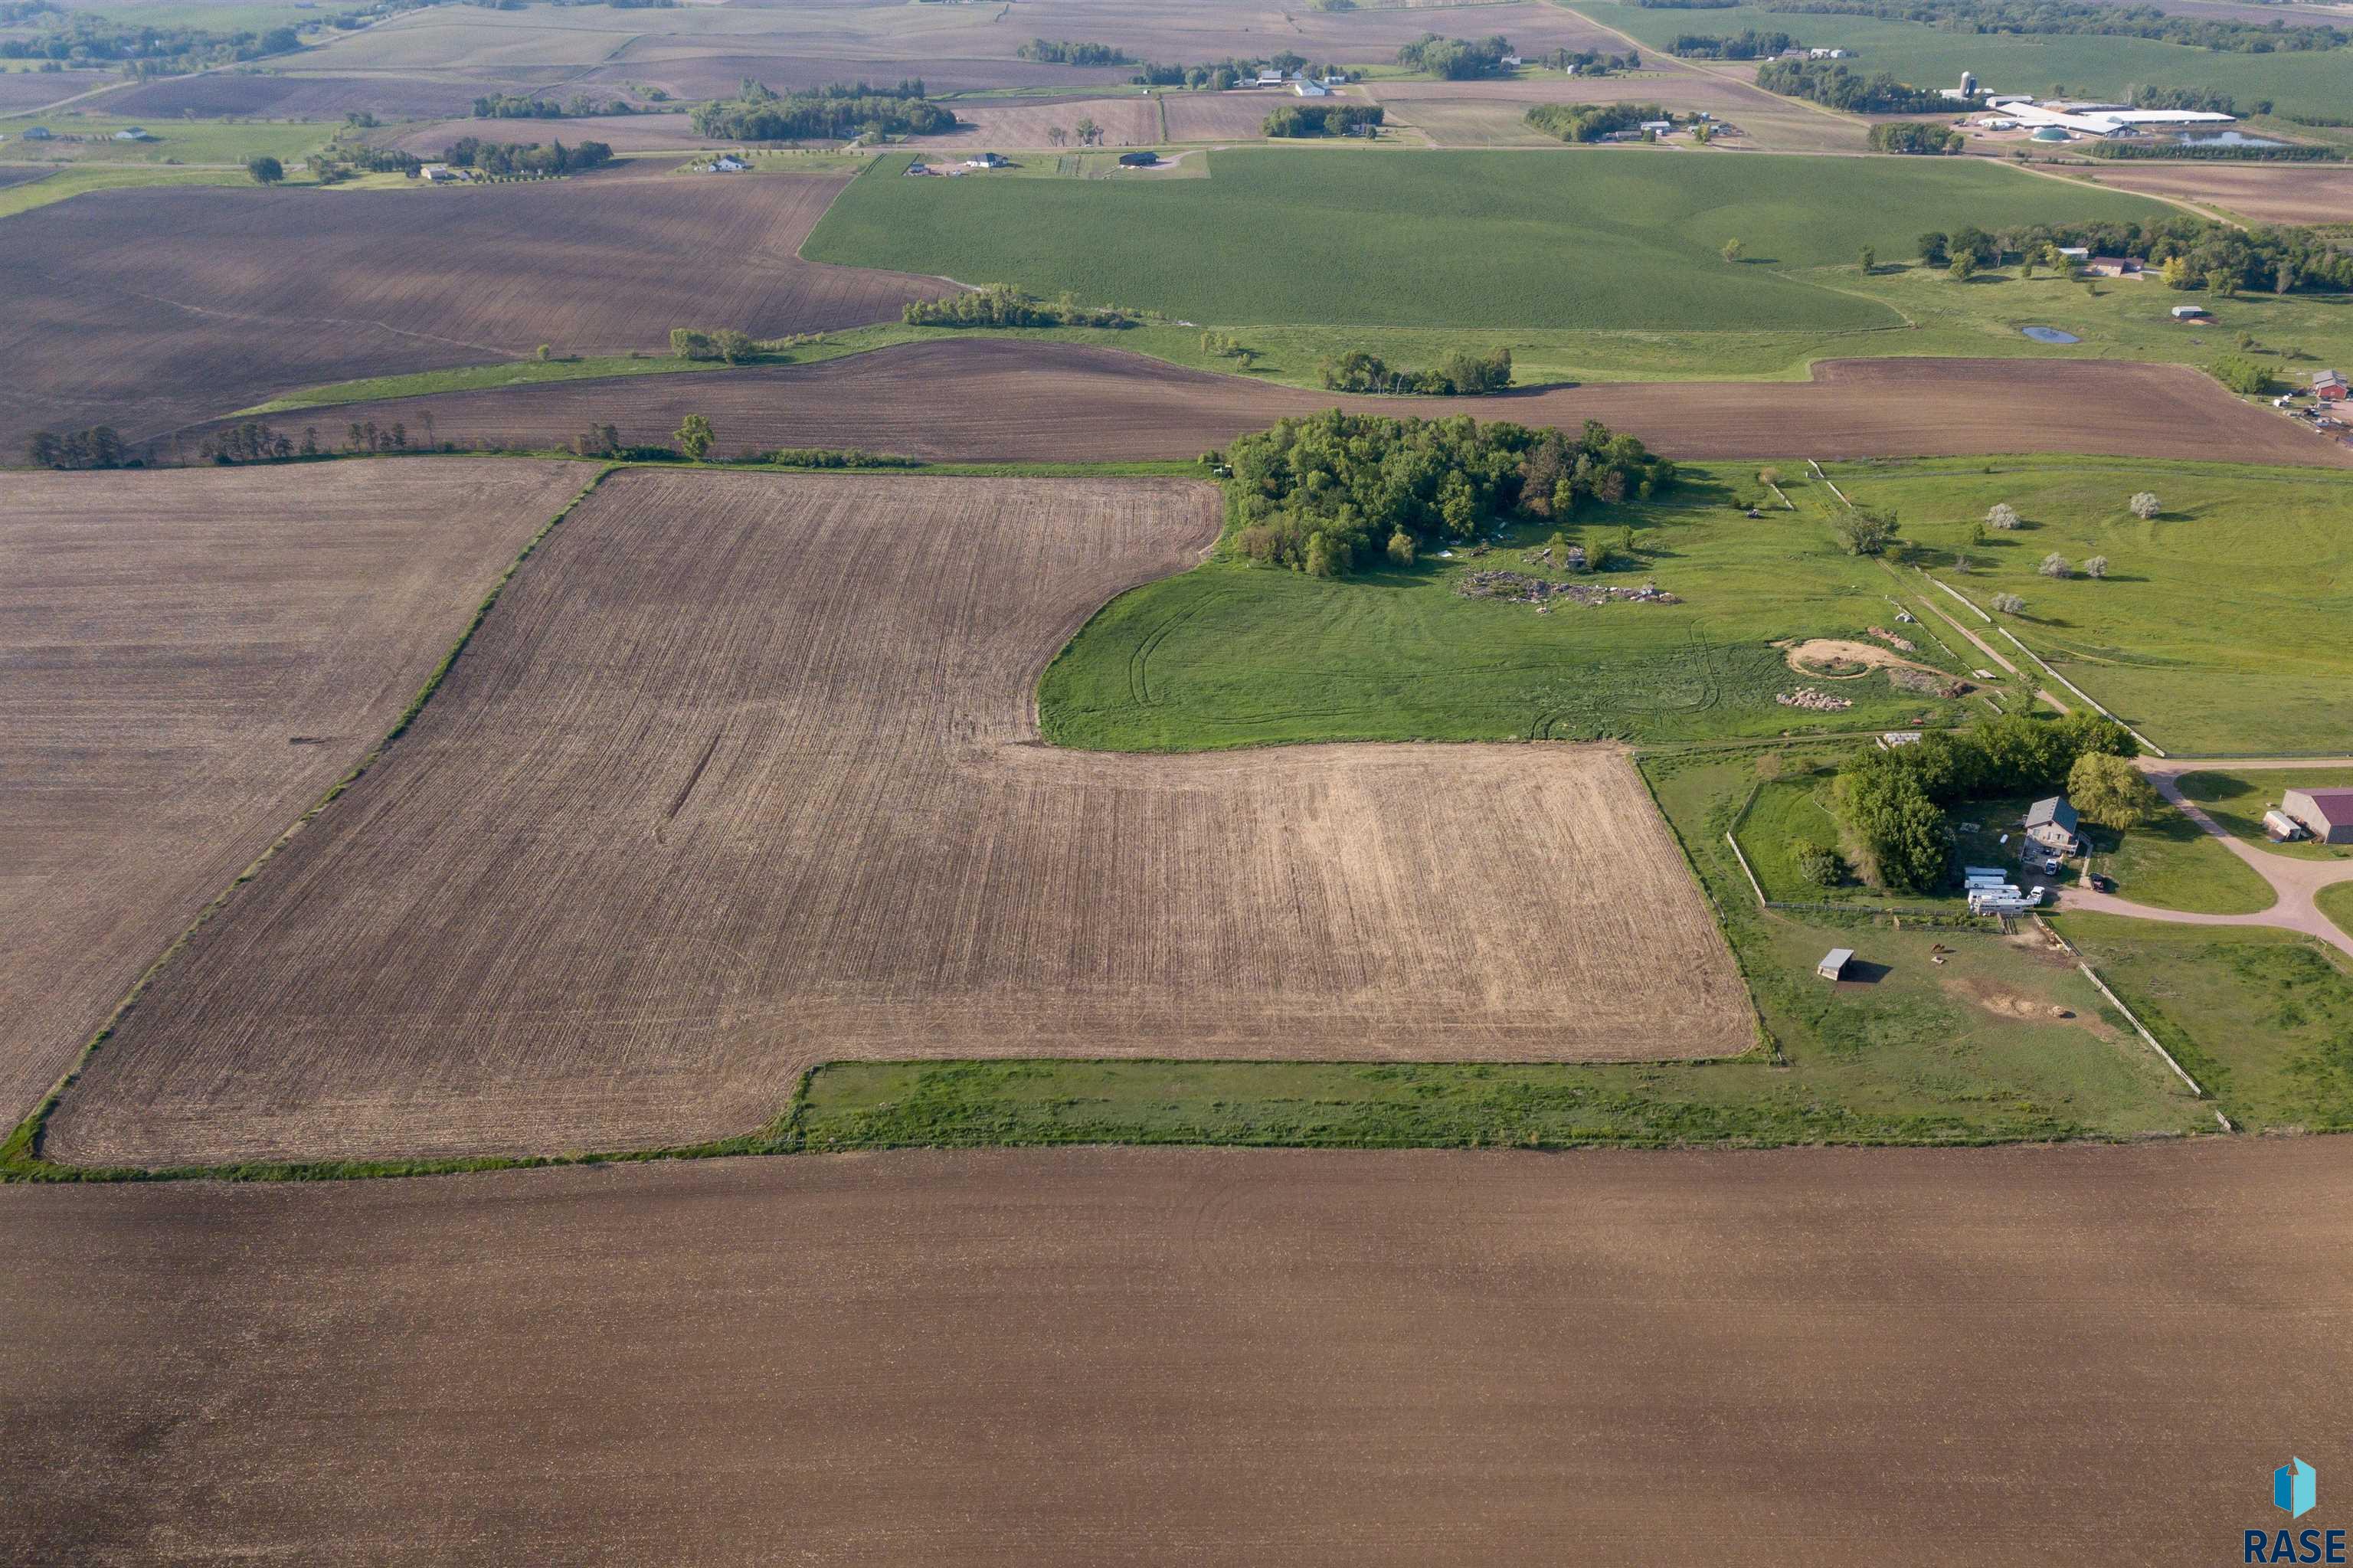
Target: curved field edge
x,y
20,1152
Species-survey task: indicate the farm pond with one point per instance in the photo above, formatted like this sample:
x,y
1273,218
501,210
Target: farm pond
x,y
2049,335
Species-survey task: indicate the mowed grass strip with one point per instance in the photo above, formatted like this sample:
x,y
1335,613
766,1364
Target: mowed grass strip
x,y
1590,238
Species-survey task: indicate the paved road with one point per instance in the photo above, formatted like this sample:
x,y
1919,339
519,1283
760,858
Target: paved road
x,y
2294,882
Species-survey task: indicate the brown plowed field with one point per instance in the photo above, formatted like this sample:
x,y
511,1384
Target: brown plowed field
x,y
147,309
1845,1359
743,776
283,96
1236,116
2261,193
622,133
38,89
971,398
166,638
1125,121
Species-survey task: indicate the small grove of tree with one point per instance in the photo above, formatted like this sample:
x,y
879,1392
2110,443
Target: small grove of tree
x,y
1590,121
2144,504
2002,515
1063,51
97,447
1833,85
693,437
831,113
1918,136
1748,44
254,441
507,159
727,344
1460,373
1457,59
2242,374
368,437
2009,604
1225,346
1002,305
1319,494
2055,564
1327,119
265,170
1892,802
2111,791
1865,531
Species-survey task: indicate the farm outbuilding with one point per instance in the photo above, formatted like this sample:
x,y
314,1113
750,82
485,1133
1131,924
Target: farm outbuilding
x,y
2051,822
1834,963
2189,313
2329,386
2326,814
2114,266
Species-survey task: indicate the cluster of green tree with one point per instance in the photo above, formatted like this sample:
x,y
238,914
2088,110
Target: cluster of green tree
x,y
254,441
364,437
509,158
1830,84
2205,100
523,106
1590,121
727,344
1218,76
1460,373
147,50
1321,119
1748,44
1063,51
1320,494
1894,801
2327,121
1591,62
1687,5
1002,305
2090,16
831,113
344,162
97,447
2287,153
2242,374
2188,252
1456,59
1226,345
1914,136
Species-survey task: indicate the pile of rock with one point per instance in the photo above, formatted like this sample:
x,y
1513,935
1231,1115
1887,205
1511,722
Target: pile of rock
x,y
1891,638
1807,697
1518,588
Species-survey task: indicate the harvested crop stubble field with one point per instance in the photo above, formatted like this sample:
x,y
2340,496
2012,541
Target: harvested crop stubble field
x,y
742,776
302,95
1048,402
1048,1357
150,309
2260,193
192,660
1486,113
1020,123
622,133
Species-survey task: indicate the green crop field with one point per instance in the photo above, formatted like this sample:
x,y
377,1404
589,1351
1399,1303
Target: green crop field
x,y
2220,627
2044,65
1588,238
1231,654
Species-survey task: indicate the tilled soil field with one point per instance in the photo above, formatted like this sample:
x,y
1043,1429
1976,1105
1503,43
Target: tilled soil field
x,y
284,95
1841,1358
1125,123
147,309
743,776
2261,193
622,133
968,398
191,659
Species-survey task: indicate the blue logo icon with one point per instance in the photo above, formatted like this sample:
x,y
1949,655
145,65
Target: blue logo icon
x,y
2295,1488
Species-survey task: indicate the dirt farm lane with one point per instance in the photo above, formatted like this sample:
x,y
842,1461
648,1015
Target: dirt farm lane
x,y
2294,883
1090,1356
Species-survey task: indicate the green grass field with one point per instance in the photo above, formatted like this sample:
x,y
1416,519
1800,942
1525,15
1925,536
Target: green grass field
x,y
2174,863
1568,239
72,181
2221,628
2336,903
88,139
2045,65
1973,1049
2237,799
2261,1019
1230,654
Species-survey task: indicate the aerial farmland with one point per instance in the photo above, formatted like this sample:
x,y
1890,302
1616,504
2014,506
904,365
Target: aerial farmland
x,y
1048,783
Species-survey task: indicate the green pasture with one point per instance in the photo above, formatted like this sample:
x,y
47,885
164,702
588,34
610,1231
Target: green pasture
x,y
2263,1019
2237,798
89,139
1232,655
73,180
2045,65
1568,239
2336,901
2221,626
2173,863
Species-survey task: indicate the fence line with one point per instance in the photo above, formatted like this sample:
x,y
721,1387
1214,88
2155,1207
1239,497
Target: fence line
x,y
2118,1002
1762,903
2079,691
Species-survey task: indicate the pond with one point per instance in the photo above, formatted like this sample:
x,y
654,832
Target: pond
x,y
2226,139
2049,335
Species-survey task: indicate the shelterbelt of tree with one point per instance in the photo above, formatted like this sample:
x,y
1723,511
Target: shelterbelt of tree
x,y
1013,401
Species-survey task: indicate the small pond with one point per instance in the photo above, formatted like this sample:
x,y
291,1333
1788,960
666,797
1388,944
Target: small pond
x,y
2049,335
2226,139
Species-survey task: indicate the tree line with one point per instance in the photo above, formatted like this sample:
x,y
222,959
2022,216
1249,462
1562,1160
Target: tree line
x,y
2080,16
2188,251
1833,85
1592,62
1591,121
1325,494
1218,76
511,158
144,49
524,106
829,113
1915,136
1321,120
1063,51
1894,801
1002,305
1457,59
1460,373
1748,44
